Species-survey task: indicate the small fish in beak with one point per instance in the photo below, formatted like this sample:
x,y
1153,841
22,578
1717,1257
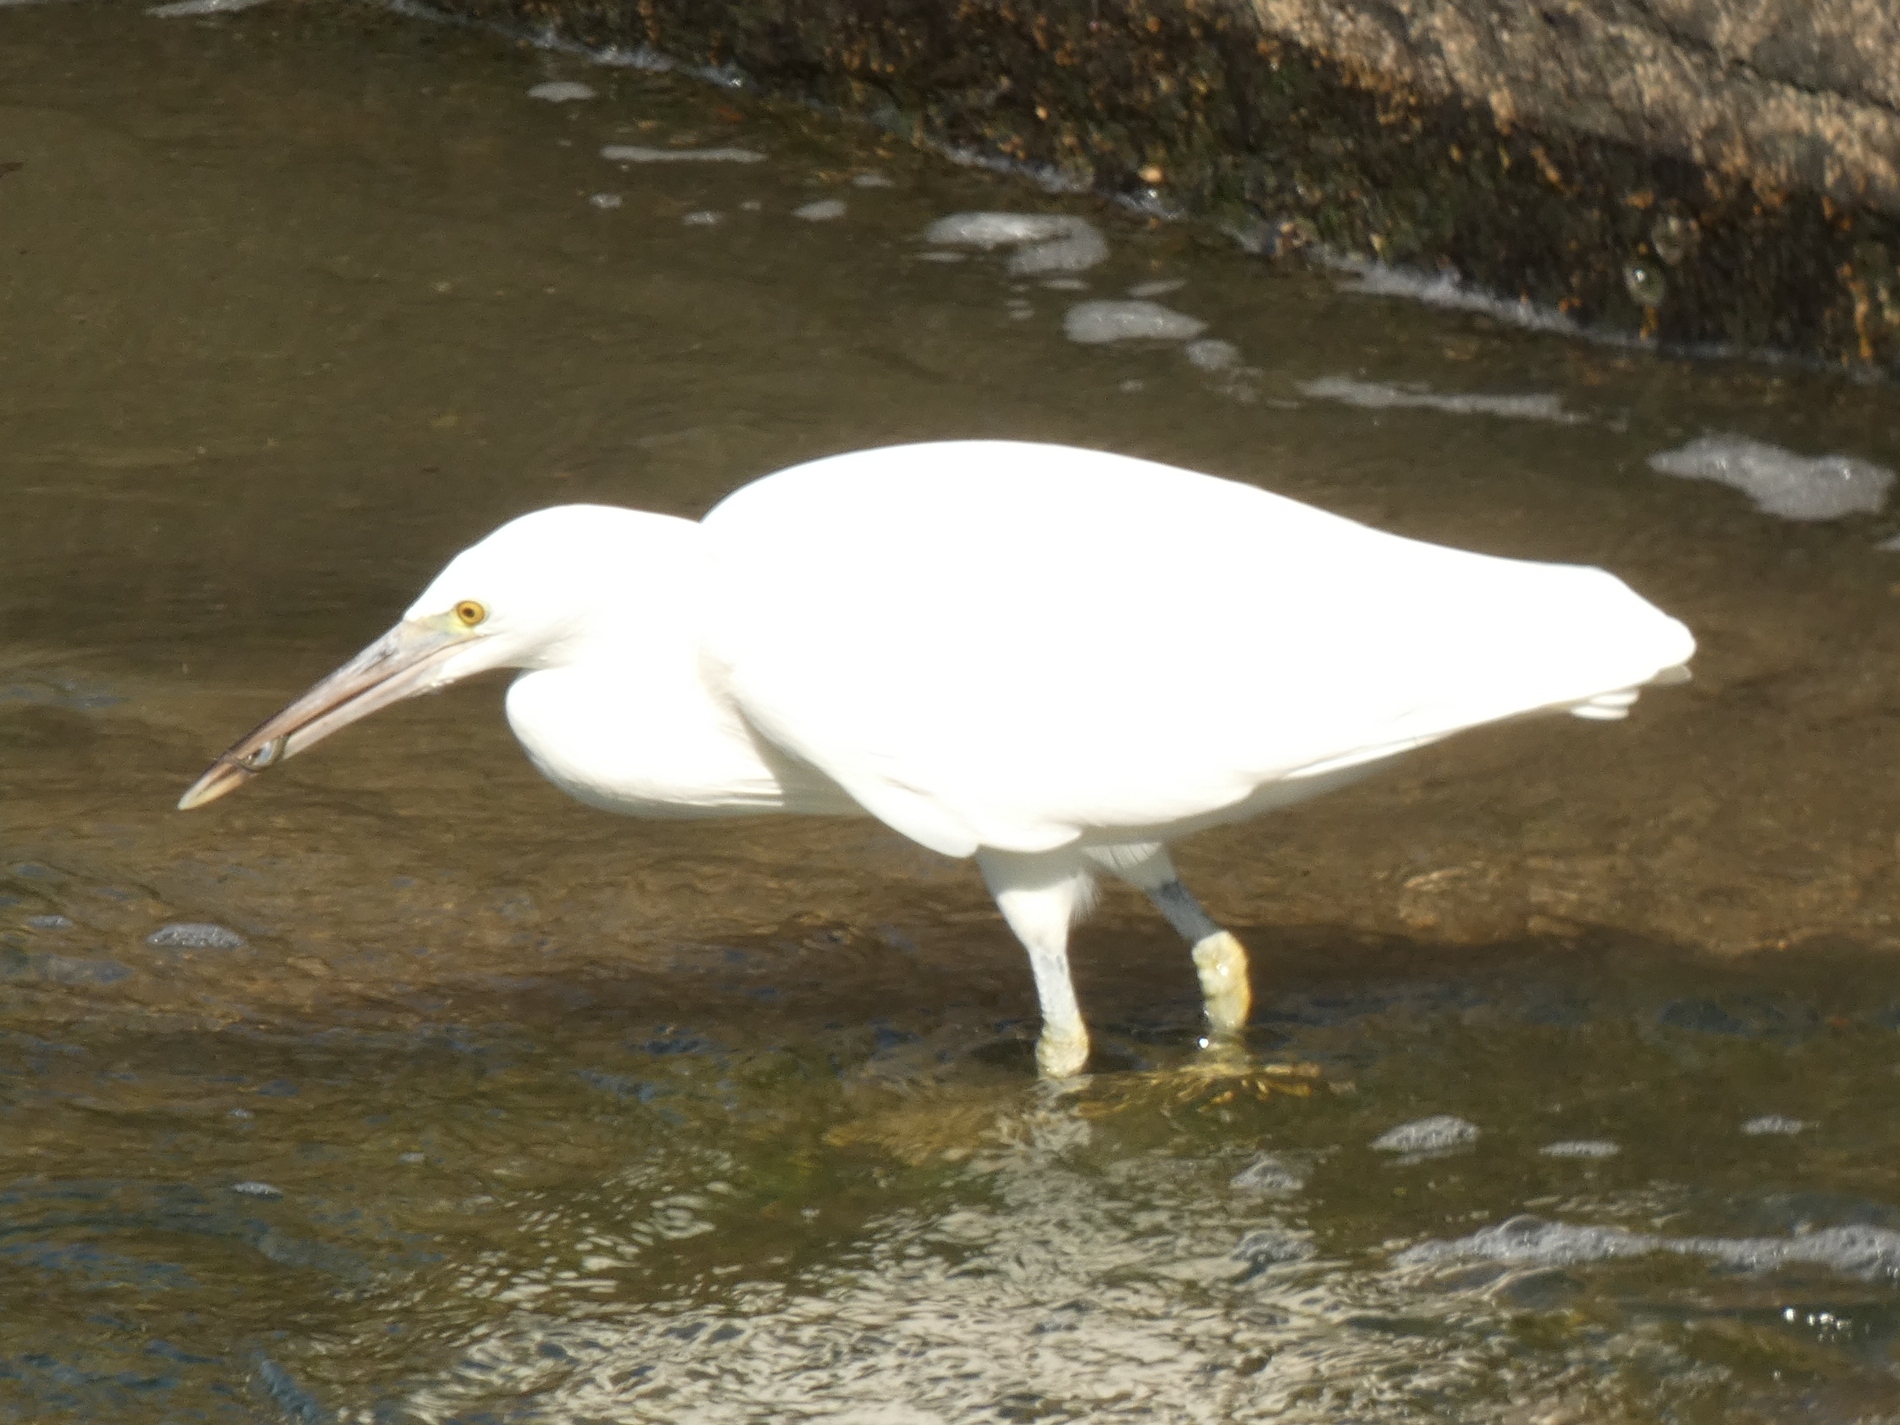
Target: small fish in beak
x,y
403,662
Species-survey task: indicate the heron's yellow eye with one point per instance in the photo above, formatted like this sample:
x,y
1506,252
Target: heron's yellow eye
x,y
468,613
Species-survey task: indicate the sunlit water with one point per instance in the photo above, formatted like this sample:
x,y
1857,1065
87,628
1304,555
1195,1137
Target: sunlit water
x,y
481,1106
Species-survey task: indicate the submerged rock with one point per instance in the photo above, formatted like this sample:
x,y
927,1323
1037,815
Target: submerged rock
x,y
1271,1247
1271,1173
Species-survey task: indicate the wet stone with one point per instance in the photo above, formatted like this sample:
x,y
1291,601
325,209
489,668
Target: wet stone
x,y
1540,1289
1273,1246
1271,1173
194,935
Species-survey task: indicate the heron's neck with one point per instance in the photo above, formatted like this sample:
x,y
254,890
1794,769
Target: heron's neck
x,y
626,711
644,609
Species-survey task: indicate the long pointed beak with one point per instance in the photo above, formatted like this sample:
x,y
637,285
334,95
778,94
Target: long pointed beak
x,y
401,663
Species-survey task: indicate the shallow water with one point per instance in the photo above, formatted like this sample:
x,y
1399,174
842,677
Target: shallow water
x,y
503,1109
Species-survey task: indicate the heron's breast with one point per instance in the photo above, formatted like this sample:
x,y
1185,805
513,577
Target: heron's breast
x,y
643,748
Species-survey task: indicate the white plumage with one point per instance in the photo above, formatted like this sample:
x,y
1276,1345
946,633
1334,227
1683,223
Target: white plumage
x,y
1057,660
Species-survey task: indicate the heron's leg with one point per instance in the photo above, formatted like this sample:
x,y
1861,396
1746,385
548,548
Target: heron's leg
x,y
1219,958
1041,895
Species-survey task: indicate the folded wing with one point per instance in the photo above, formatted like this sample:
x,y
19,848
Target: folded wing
x,y
1007,645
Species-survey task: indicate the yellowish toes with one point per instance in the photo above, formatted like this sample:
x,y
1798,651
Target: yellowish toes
x,y
1061,1057
1222,963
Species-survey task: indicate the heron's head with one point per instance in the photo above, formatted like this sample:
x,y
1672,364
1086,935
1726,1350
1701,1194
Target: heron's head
x,y
525,597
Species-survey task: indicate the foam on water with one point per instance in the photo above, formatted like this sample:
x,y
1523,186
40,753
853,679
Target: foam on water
x,y
1212,354
194,935
1427,1135
1044,242
704,218
825,210
872,180
643,58
1859,1251
1772,1124
1444,289
180,9
994,230
1096,323
562,91
1581,1148
606,201
640,153
1045,176
1157,289
1078,252
1384,395
1780,482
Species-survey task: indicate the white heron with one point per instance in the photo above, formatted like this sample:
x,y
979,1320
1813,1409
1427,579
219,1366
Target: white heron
x,y
1054,660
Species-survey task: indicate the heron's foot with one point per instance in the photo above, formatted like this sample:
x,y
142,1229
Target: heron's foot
x,y
1221,961
1062,1055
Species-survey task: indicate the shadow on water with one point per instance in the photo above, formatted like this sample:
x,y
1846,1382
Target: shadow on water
x,y
399,1088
